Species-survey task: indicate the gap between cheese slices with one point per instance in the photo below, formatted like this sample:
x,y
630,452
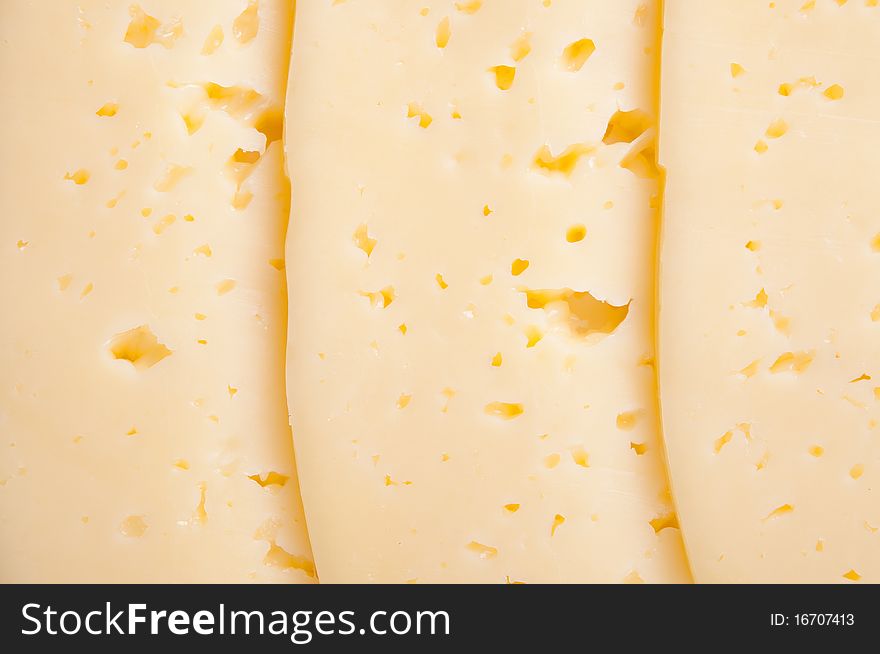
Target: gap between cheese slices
x,y
470,265
143,207
769,307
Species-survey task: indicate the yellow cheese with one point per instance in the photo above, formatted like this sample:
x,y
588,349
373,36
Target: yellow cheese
x,y
769,318
470,261
143,428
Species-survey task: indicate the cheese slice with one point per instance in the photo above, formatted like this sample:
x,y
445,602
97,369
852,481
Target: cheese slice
x,y
769,309
470,259
143,428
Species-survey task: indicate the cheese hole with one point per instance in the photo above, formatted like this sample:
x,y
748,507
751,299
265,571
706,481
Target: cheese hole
x,y
736,70
722,440
852,575
443,33
626,126
483,551
627,420
551,461
512,508
761,147
203,250
667,521
363,240
144,30
641,161
638,448
580,457
271,478
565,163
241,199
108,110
816,451
138,346
497,360
521,47
834,92
779,511
193,121
558,521
795,362
277,264
78,177
776,129
134,526
533,336
576,54
576,233
469,6
270,123
225,286
518,267
504,76
403,401
504,410
164,223
278,557
381,298
857,471
414,110
580,312
213,41
759,302
247,24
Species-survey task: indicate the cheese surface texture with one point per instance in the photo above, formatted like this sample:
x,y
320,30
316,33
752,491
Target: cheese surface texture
x,y
769,306
470,260
143,428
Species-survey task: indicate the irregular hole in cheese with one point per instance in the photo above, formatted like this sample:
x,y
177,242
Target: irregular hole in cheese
x,y
580,312
761,346
521,475
138,346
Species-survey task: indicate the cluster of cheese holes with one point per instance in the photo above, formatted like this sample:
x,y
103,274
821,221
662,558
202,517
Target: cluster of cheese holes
x,y
833,92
